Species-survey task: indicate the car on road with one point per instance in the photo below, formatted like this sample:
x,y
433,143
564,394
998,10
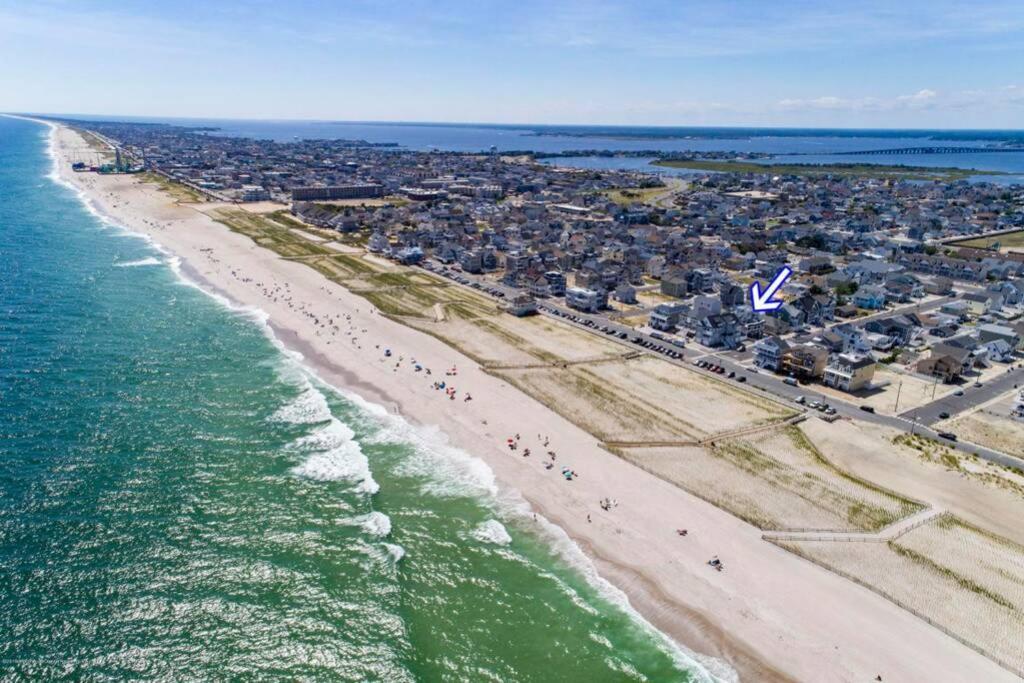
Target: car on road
x,y
977,385
958,392
868,409
741,379
731,374
791,381
800,399
949,436
943,415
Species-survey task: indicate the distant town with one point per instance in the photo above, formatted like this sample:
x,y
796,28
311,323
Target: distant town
x,y
895,281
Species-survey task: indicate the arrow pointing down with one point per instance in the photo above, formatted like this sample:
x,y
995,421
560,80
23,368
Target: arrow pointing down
x,y
762,301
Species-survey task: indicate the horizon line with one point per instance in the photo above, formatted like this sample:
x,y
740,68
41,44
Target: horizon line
x,y
395,122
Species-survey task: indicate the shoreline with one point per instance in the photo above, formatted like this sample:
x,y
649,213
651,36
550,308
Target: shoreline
x,y
769,607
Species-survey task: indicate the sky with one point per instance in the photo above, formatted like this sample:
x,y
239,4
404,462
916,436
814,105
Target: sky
x,y
825,63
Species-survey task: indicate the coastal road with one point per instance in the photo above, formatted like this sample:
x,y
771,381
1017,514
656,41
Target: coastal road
x,y
929,413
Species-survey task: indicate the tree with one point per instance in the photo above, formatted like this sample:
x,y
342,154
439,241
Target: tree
x,y
847,288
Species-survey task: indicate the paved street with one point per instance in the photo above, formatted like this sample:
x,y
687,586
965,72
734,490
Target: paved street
x,y
928,414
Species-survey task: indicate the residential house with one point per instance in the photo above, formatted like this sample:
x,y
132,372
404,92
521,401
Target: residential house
x,y
806,361
899,327
768,353
848,372
556,282
946,362
522,305
990,332
718,330
665,317
625,293
871,297
586,300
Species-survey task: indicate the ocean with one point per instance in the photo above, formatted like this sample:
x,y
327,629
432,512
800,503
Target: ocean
x,y
182,499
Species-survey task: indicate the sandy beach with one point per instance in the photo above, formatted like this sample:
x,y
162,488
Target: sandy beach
x,y
769,616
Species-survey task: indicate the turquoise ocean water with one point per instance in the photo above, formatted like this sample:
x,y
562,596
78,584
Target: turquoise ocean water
x,y
180,499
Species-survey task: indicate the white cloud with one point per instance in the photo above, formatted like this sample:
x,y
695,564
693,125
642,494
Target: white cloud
x,y
922,99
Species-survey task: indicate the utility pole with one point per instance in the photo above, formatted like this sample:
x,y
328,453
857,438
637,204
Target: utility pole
x,y
898,390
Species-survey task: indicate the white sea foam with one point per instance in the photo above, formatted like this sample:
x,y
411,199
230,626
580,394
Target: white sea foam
x,y
443,470
395,551
492,531
336,457
309,407
374,523
151,261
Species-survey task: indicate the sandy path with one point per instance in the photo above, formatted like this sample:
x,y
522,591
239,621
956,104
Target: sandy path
x,y
769,614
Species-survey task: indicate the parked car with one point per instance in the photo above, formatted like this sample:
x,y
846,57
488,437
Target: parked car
x,y
949,436
958,392
943,415
741,379
868,409
800,399
791,381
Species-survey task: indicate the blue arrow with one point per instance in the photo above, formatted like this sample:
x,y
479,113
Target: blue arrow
x,y
762,302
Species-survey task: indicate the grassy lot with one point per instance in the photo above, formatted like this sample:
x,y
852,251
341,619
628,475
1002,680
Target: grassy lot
x,y
1010,239
776,480
852,170
181,193
625,196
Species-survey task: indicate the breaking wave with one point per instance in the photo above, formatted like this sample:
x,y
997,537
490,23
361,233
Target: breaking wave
x,y
492,531
336,457
151,261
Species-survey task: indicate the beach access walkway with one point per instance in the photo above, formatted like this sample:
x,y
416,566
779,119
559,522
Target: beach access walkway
x,y
884,535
